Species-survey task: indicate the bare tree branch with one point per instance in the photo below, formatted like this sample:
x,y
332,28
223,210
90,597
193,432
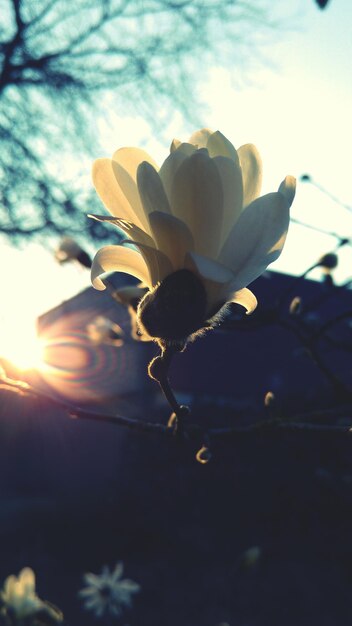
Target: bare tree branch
x,y
58,59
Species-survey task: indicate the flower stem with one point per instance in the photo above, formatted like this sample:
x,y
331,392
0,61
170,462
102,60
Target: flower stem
x,y
158,369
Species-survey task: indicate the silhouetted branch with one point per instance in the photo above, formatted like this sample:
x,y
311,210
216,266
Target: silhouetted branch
x,y
56,57
314,420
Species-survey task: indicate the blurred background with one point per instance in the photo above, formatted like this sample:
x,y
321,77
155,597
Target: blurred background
x,y
77,81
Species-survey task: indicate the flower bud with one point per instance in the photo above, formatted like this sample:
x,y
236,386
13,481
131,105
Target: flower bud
x,y
269,399
175,309
203,455
328,261
295,306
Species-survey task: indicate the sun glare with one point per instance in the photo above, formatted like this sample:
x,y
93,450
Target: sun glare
x,y
27,298
22,347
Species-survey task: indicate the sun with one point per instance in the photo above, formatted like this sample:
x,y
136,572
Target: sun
x,y
22,347
25,297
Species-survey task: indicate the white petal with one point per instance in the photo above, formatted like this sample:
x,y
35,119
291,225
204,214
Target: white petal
x,y
251,165
159,265
215,278
256,239
208,268
172,163
131,158
110,192
172,237
117,572
27,579
9,587
129,295
125,163
200,137
92,579
215,142
151,189
231,180
174,145
244,297
288,189
119,259
219,145
197,199
133,231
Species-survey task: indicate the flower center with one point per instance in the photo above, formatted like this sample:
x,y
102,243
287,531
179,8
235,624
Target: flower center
x,y
174,309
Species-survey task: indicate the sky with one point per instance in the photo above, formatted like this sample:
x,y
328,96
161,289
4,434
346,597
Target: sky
x,y
296,109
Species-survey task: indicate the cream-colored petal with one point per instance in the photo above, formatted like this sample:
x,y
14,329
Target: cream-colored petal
x,y
219,145
231,180
159,265
174,145
171,165
208,268
151,190
215,278
27,579
119,259
252,174
200,137
256,239
215,142
172,237
133,231
245,298
197,200
131,158
288,189
130,294
125,163
9,586
110,192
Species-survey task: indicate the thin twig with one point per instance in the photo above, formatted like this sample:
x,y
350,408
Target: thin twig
x,y
298,421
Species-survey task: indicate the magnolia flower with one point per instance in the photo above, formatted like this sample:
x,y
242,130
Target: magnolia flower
x,y
107,593
21,602
18,594
200,231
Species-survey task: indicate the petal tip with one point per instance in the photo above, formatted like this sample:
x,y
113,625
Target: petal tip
x,y
288,189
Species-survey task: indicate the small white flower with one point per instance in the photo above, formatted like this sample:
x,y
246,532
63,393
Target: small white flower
x,y
108,593
18,594
201,230
21,603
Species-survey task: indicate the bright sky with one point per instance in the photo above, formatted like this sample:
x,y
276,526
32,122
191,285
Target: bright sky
x,y
298,115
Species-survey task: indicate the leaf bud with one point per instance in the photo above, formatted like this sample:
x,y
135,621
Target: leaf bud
x,y
295,306
269,399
